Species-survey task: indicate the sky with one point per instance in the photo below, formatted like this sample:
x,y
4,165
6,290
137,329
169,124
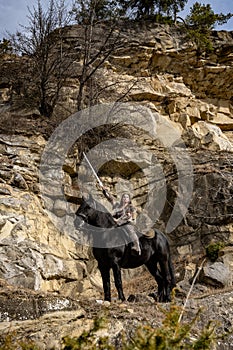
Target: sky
x,y
14,12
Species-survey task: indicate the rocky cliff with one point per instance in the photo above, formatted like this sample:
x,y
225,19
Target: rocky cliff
x,y
160,70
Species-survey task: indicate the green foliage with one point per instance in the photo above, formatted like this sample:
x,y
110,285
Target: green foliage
x,y
159,18
201,39
203,18
85,12
171,7
171,335
88,340
212,250
149,8
9,342
200,22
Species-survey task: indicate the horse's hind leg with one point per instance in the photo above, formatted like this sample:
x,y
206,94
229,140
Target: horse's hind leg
x,y
118,281
105,274
165,272
172,274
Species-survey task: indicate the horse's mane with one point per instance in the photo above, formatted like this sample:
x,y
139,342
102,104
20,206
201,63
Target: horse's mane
x,y
100,207
102,210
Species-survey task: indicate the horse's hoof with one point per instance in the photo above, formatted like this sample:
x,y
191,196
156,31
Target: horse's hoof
x,y
154,296
107,299
131,298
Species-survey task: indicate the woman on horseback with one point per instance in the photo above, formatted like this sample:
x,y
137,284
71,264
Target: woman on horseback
x,y
124,214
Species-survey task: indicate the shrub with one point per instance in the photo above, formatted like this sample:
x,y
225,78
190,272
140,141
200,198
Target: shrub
x,y
199,24
88,340
9,342
212,250
171,335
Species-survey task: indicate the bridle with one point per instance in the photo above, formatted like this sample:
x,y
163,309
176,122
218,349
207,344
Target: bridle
x,y
84,216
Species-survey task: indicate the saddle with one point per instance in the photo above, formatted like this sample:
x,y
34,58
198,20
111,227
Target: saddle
x,y
149,234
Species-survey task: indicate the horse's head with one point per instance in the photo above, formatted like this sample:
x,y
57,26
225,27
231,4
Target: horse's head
x,y
93,213
86,212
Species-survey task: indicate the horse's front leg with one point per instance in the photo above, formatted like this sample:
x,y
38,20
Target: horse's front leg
x,y
105,274
118,280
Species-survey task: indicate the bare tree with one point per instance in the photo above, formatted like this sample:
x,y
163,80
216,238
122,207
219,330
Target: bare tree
x,y
42,41
48,58
99,39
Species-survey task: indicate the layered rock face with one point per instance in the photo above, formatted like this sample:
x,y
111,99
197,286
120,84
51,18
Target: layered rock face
x,y
34,253
160,70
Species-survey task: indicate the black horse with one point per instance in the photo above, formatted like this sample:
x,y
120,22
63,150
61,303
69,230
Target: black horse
x,y
112,250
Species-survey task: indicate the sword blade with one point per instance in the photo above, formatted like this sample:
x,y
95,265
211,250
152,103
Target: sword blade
x,y
93,170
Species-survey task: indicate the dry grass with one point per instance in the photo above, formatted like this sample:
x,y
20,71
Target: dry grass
x,y
143,284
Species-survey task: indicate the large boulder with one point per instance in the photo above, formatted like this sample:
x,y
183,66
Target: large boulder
x,y
208,136
216,275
